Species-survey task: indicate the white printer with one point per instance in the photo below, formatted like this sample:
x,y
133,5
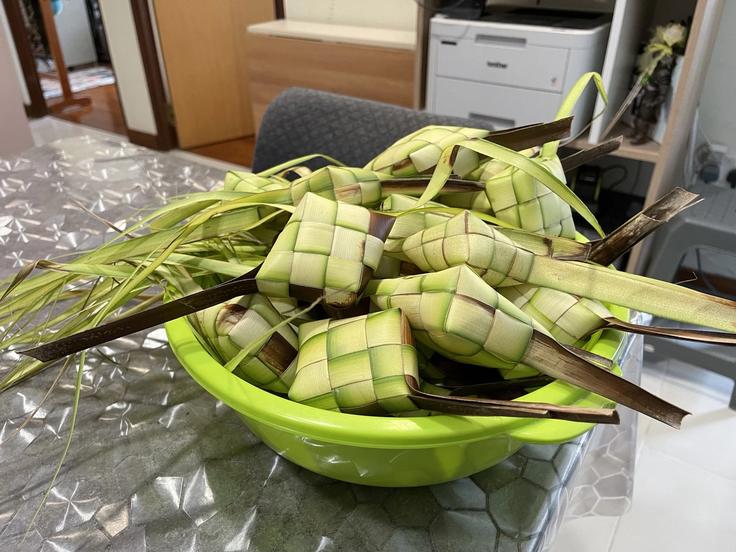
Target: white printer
x,y
514,65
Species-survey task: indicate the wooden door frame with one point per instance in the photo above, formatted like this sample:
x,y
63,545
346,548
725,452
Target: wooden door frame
x,y
165,137
22,45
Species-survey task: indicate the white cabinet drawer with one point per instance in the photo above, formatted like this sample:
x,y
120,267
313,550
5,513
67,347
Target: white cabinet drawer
x,y
501,106
498,59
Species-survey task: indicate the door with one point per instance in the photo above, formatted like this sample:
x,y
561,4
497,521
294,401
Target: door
x,y
203,44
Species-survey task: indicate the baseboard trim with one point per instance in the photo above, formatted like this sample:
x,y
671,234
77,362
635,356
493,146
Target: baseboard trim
x,y
145,139
35,111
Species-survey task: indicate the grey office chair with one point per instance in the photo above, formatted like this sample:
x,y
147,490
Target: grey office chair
x,y
302,121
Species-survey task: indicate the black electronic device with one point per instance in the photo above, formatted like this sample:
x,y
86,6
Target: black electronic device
x,y
586,183
463,9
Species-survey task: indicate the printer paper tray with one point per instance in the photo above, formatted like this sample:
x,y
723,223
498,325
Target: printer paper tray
x,y
501,106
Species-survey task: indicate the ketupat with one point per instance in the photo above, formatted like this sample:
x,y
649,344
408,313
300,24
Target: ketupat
x,y
239,325
457,314
419,152
530,193
356,365
326,249
241,181
409,223
567,318
516,197
478,201
368,365
346,184
467,240
571,319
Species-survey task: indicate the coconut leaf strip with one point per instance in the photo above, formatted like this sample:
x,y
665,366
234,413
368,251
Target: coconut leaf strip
x,y
554,360
299,161
496,407
416,186
528,136
223,225
588,155
19,277
549,246
704,336
62,370
224,268
568,104
67,444
500,387
87,269
636,292
244,285
639,226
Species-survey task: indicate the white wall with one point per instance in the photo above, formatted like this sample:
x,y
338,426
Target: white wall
x,y
384,14
127,63
75,34
5,29
718,100
15,134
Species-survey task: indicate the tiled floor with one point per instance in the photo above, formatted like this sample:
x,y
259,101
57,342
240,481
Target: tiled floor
x,y
685,487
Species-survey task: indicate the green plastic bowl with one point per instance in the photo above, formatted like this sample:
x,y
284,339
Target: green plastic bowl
x,y
387,451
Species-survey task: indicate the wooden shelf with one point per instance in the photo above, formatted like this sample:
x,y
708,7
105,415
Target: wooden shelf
x,y
648,152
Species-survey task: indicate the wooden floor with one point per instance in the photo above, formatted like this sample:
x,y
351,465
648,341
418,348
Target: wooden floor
x,y
238,151
105,112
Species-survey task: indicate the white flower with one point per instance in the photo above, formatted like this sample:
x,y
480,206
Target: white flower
x,y
674,34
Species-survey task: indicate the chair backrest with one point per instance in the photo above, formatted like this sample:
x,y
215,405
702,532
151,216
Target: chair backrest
x,y
301,121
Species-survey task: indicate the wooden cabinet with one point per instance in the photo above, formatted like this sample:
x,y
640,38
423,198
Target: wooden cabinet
x,y
205,55
374,73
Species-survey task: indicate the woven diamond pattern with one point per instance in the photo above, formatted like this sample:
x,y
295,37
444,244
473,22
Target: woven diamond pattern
x,y
325,248
466,240
478,201
241,181
519,199
456,314
568,318
410,223
419,151
346,184
240,324
356,364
